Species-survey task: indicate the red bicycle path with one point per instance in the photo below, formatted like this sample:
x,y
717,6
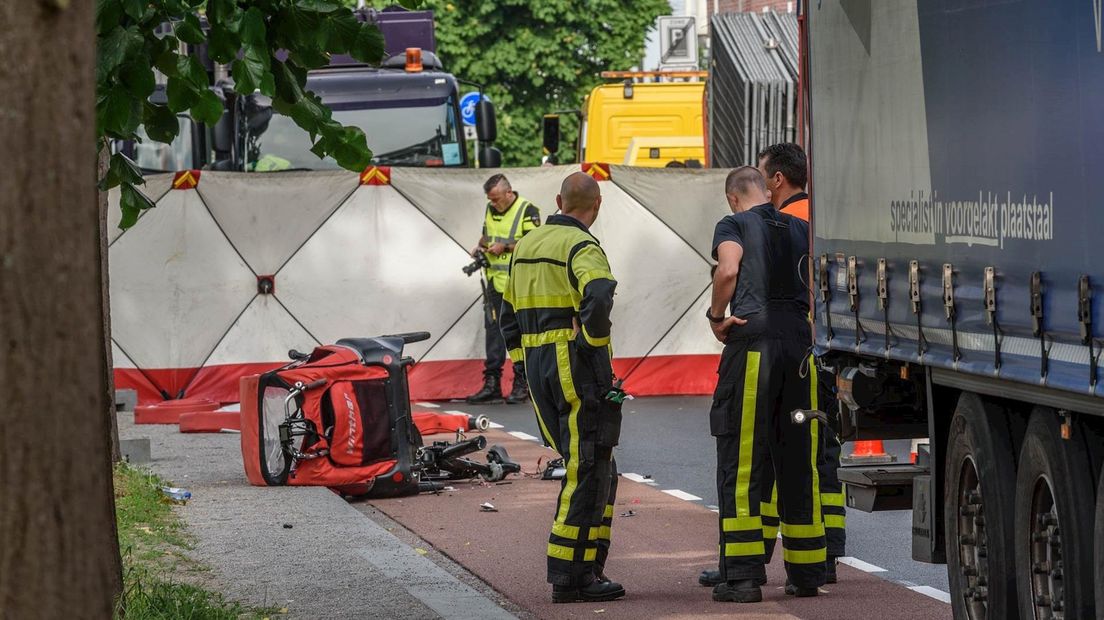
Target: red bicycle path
x,y
656,553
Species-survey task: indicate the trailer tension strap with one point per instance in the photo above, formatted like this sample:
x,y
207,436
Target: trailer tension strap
x,y
991,314
1037,322
853,296
914,297
1084,316
826,294
949,308
883,301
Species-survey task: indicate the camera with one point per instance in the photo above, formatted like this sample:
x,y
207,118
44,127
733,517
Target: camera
x,y
480,262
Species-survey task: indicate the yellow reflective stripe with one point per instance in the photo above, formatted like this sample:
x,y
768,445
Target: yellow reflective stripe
x,y
545,301
517,355
814,442
604,532
566,531
608,514
568,554
770,532
744,548
747,433
595,342
543,429
768,509
593,274
557,336
816,556
741,524
832,499
814,530
836,521
571,479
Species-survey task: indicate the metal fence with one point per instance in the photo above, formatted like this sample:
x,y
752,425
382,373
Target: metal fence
x,y
752,92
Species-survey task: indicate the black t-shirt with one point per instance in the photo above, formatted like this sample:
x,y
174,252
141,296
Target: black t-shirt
x,y
767,273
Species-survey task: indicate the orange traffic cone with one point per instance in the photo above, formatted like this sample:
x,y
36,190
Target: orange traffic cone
x,y
868,452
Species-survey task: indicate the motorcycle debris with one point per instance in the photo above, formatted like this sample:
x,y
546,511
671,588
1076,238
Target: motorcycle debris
x,y
487,507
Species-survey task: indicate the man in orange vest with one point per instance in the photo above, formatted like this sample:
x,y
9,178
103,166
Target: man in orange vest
x,y
785,167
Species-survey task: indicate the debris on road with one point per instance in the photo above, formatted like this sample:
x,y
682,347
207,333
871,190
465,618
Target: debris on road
x,y
487,507
630,513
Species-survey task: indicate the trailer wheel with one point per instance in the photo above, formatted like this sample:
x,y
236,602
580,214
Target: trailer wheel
x,y
978,511
1100,546
1054,563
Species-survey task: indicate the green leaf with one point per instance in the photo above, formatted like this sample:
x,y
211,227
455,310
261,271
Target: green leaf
x,y
108,15
121,169
253,27
134,8
160,123
182,94
114,47
132,202
189,68
249,71
368,46
189,30
319,6
410,4
223,44
139,80
338,32
118,114
208,109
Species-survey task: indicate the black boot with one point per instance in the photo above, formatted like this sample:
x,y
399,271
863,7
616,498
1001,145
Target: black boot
x,y
491,391
520,392
713,578
742,591
594,592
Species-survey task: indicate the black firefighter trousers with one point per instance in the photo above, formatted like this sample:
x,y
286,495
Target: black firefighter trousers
x,y
761,380
568,384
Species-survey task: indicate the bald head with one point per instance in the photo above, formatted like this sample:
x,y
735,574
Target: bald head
x,y
745,188
580,197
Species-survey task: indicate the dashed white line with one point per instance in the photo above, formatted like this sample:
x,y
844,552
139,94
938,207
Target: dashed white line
x,y
681,495
430,405
638,478
859,564
938,595
525,436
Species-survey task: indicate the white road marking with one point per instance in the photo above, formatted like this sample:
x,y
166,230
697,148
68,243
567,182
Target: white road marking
x,y
859,564
430,405
938,595
525,436
681,495
638,478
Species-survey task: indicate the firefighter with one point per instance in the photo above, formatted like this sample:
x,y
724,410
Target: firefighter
x,y
556,317
508,218
765,373
785,168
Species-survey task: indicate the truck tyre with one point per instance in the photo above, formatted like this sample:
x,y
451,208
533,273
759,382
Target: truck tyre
x,y
1054,563
1099,537
978,511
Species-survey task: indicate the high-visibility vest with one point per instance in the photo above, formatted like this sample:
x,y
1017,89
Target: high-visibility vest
x,y
552,267
798,209
505,228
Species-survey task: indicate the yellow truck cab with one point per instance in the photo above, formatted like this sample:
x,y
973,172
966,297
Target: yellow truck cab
x,y
639,123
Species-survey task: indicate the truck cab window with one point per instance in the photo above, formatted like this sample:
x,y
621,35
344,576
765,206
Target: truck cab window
x,y
160,157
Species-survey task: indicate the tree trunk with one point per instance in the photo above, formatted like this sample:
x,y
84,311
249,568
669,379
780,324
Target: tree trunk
x,y
59,555
105,297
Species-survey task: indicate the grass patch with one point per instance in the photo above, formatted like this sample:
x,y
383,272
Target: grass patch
x,y
159,579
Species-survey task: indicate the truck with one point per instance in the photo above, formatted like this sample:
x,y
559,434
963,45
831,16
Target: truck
x,y
956,156
408,106
645,118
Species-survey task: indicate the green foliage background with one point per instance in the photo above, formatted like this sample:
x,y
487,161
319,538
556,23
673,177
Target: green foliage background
x,y
539,56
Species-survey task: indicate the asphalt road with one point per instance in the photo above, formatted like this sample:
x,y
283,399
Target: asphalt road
x,y
667,438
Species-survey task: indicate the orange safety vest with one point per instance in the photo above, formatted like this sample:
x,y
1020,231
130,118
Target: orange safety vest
x,y
798,209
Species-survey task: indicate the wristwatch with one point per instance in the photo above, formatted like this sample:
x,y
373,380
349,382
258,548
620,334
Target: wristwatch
x,y
713,319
